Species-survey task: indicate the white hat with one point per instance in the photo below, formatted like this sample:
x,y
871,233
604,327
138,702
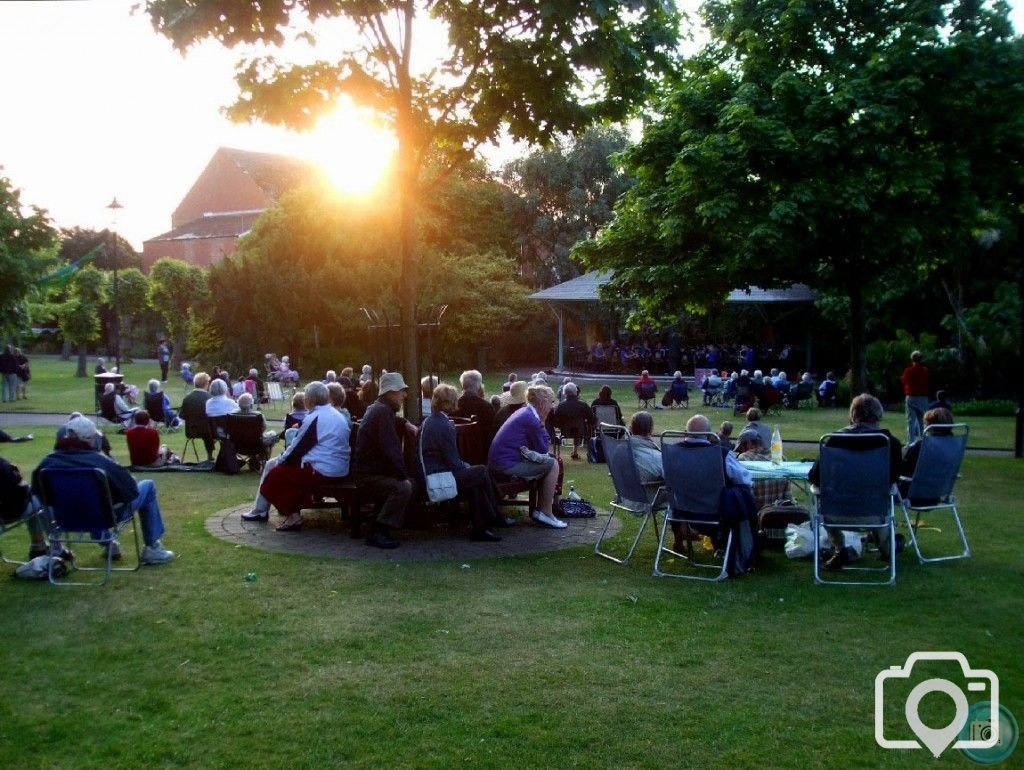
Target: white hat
x,y
82,427
392,381
515,394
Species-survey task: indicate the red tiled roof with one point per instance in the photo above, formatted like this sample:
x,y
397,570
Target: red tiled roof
x,y
274,174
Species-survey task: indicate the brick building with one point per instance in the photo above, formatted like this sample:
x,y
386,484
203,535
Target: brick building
x,y
228,197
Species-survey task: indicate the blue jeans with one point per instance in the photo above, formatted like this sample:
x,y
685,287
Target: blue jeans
x,y
915,406
149,512
10,383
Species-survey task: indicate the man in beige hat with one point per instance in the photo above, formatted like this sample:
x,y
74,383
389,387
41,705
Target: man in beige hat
x,y
511,402
378,464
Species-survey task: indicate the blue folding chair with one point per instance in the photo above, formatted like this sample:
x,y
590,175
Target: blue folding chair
x,y
931,487
695,480
631,494
854,493
81,510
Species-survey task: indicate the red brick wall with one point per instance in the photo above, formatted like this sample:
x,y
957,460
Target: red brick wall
x,y
199,251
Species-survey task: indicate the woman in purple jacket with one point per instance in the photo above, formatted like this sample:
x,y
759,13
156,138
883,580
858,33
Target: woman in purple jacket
x,y
520,450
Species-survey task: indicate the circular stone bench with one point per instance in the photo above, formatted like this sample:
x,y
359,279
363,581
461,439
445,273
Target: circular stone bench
x,y
325,535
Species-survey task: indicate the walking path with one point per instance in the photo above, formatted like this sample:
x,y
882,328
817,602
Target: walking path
x,y
324,535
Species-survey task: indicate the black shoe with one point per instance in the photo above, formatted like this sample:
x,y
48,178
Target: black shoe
x,y
838,560
381,540
485,536
506,521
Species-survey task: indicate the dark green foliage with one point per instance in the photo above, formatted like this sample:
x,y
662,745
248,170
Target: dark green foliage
x,y
561,195
26,240
814,142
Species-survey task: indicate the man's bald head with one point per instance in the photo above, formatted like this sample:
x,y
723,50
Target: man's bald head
x,y
698,424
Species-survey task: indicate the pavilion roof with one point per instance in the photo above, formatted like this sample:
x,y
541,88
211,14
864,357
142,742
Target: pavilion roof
x,y
586,288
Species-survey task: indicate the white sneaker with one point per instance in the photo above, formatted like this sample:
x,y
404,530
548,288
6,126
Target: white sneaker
x,y
547,519
156,554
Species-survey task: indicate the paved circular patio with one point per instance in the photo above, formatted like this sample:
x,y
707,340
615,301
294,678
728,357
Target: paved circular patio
x,y
324,534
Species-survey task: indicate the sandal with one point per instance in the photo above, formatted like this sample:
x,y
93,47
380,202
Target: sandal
x,y
294,526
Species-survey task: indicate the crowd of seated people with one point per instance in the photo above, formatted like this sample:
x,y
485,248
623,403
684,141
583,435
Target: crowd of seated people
x,y
518,436
665,354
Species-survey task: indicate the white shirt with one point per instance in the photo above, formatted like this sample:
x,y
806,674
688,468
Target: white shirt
x,y
218,406
331,453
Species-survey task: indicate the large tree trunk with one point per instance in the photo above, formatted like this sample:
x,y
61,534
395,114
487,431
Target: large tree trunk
x,y
83,355
1018,438
408,163
858,362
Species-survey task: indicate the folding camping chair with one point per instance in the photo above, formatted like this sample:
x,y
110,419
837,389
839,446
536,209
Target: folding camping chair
x,y
645,392
631,494
695,481
275,394
931,487
81,510
572,434
196,428
854,493
154,404
606,414
245,431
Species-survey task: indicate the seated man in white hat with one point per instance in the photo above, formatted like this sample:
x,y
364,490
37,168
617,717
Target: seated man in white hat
x,y
378,463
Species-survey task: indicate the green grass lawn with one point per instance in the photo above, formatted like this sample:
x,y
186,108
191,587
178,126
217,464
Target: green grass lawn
x,y
551,661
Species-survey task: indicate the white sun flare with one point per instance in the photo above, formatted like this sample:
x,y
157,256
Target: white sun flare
x,y
354,152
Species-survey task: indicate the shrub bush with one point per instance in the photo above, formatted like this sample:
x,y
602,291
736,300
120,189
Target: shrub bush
x,y
989,407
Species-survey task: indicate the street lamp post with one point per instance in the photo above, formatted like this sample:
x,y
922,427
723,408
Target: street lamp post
x,y
114,206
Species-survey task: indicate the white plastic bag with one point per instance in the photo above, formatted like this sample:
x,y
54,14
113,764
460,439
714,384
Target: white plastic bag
x,y
799,540
854,545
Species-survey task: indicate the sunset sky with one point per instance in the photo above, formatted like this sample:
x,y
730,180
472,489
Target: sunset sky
x,y
96,104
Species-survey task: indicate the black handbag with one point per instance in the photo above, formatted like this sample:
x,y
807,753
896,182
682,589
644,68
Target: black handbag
x,y
576,509
773,519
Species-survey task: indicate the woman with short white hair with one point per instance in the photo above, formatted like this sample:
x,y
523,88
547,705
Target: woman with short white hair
x,y
157,403
219,403
320,451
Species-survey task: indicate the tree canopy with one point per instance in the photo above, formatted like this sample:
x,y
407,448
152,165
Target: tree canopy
x,y
813,141
27,241
176,289
535,67
560,195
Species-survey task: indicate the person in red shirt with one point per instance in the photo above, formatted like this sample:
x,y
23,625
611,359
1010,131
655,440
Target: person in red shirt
x,y
144,447
915,388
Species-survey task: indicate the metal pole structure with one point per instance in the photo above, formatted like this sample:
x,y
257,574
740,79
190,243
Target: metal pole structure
x,y
114,206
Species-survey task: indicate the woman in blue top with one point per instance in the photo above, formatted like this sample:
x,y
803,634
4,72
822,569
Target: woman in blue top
x,y
441,453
